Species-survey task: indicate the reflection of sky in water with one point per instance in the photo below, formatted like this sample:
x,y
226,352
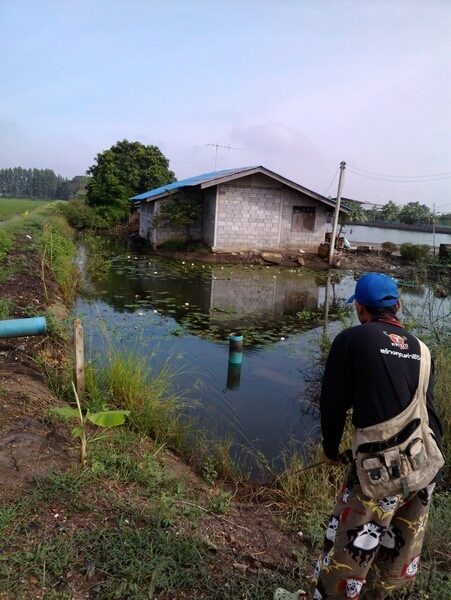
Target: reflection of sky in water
x,y
268,407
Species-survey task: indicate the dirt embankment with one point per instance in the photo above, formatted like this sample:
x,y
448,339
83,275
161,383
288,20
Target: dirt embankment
x,y
352,260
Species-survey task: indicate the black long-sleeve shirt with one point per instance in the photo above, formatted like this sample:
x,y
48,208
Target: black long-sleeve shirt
x,y
374,369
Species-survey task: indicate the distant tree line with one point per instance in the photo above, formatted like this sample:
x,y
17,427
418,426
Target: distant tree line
x,y
412,213
38,183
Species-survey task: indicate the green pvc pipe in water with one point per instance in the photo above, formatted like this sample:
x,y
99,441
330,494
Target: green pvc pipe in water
x,y
21,327
236,348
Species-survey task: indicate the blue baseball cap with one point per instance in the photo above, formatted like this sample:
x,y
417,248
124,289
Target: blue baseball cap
x,y
375,289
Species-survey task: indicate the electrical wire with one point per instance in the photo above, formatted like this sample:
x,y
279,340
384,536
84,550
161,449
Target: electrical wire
x,y
398,178
332,181
401,176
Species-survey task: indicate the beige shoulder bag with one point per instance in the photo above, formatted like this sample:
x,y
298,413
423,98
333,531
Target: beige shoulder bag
x,y
399,456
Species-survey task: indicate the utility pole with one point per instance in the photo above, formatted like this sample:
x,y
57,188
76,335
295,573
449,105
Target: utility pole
x,y
337,212
219,146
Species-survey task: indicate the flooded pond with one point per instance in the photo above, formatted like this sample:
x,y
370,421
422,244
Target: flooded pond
x,y
185,313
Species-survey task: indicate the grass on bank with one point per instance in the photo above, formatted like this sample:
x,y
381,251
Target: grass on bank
x,y
45,234
119,530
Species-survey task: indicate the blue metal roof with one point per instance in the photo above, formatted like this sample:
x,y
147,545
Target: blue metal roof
x,y
191,181
209,179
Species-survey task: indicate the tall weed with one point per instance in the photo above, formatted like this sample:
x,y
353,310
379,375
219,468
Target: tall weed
x,y
124,379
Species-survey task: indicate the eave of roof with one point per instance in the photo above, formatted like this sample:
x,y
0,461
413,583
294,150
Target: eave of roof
x,y
217,177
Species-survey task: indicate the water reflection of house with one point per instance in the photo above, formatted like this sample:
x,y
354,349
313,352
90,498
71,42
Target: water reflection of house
x,y
243,209
263,295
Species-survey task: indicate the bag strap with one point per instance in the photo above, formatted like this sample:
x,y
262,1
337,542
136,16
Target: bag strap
x,y
425,370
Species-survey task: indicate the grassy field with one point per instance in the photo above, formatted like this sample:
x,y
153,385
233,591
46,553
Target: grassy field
x,y
10,207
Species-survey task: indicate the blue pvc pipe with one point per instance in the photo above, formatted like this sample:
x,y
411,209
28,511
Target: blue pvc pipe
x,y
21,327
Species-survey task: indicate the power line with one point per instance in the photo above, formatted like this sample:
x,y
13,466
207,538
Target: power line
x,y
330,184
402,176
399,178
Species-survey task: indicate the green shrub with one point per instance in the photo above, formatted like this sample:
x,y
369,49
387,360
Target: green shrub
x,y
414,253
173,245
80,215
389,247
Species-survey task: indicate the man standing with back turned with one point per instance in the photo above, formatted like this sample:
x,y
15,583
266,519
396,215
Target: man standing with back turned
x,y
372,545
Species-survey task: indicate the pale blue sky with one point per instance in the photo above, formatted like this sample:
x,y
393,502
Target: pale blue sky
x,y
294,85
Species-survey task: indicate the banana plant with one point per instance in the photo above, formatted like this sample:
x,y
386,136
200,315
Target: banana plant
x,y
104,418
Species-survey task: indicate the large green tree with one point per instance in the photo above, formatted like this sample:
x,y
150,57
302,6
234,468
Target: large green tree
x,y
390,211
125,170
415,213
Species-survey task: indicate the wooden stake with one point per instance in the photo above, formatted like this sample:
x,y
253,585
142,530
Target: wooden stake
x,y
79,360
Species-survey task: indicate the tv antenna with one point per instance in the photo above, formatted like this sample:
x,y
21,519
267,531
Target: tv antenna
x,y
219,146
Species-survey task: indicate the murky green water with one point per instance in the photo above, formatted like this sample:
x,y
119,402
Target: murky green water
x,y
187,311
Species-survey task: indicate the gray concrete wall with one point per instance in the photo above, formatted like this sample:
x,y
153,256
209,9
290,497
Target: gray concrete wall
x,y
163,234
260,218
305,240
208,216
248,217
145,219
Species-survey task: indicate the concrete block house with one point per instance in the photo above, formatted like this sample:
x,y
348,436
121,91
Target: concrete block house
x,y
243,209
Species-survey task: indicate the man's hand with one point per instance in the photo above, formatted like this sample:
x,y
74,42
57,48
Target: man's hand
x,y
332,462
342,458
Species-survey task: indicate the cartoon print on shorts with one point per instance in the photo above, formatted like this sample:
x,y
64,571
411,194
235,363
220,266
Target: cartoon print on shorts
x,y
384,507
321,563
346,493
391,544
411,569
352,586
364,541
416,526
346,489
388,504
331,531
320,592
317,570
330,564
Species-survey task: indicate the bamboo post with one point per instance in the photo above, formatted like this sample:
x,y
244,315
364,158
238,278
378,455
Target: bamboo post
x,y
79,360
